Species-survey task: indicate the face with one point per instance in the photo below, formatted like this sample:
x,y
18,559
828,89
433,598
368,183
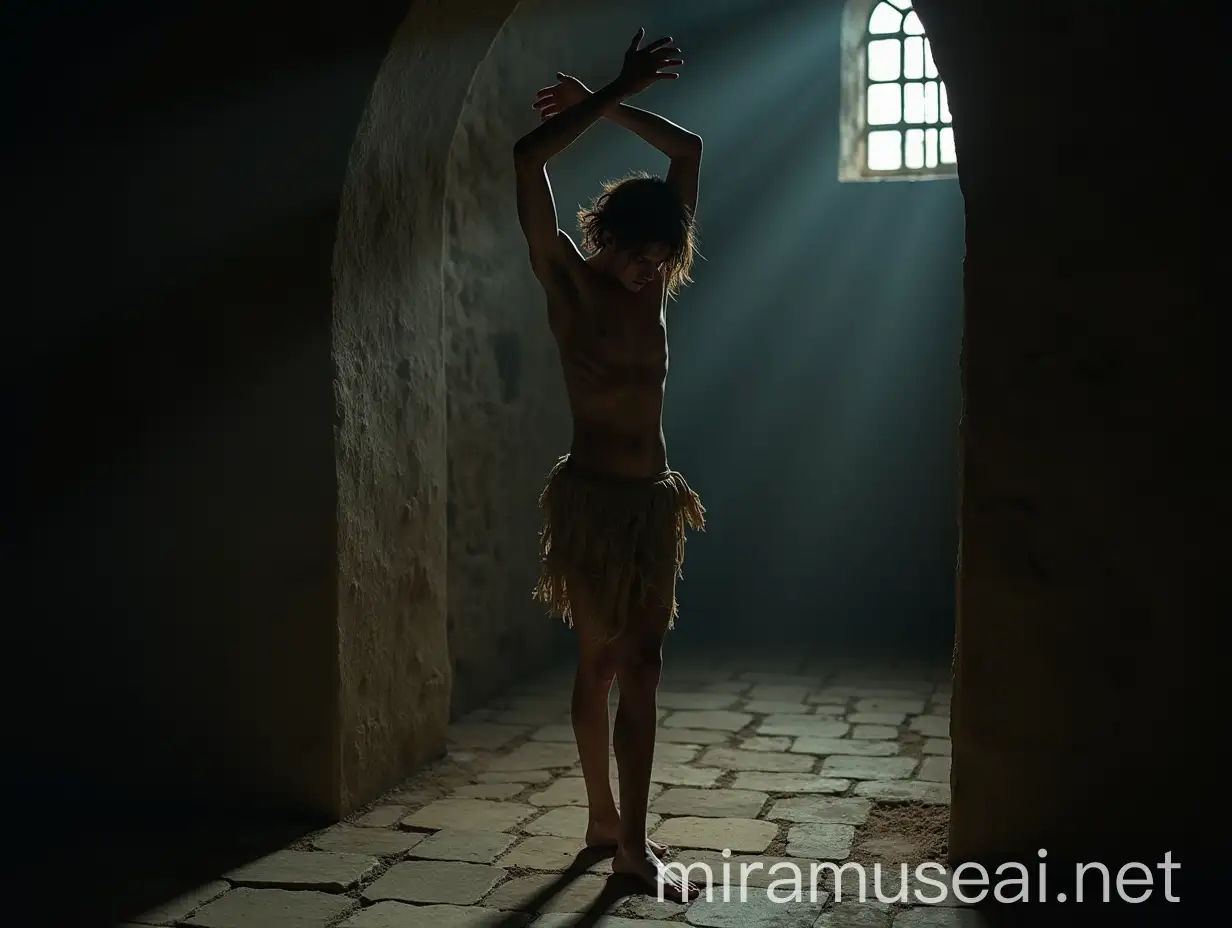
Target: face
x,y
638,268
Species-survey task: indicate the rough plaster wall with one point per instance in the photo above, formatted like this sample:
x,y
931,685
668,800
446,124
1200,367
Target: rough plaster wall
x,y
1089,490
508,415
393,652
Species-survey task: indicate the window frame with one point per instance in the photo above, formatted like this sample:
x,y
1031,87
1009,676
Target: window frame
x,y
853,104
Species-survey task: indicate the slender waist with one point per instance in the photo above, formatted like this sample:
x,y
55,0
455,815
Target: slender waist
x,y
612,453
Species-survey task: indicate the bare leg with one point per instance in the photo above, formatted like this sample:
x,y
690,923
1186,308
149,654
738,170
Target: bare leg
x,y
638,671
592,685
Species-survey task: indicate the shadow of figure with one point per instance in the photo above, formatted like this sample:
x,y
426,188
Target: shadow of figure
x,y
618,887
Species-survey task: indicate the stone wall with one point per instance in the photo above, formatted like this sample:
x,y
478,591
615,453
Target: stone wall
x,y
1087,586
394,658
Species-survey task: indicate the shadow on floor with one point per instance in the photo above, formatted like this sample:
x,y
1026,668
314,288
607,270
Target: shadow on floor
x,y
92,864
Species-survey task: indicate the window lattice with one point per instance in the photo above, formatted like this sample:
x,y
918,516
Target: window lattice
x,y
898,112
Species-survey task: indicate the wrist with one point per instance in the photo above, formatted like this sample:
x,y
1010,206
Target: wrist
x,y
613,93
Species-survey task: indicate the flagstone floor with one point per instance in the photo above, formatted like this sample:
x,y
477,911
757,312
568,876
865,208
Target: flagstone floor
x,y
758,763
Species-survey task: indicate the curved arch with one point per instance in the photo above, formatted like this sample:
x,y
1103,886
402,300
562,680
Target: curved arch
x,y
394,667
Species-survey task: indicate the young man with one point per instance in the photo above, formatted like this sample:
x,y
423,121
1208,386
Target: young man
x,y
615,515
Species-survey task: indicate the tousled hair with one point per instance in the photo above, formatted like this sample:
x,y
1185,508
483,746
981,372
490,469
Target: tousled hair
x,y
641,211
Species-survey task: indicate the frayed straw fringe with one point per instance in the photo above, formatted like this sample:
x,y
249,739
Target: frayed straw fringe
x,y
622,534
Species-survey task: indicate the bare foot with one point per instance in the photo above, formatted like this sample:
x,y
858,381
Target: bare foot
x,y
658,876
607,834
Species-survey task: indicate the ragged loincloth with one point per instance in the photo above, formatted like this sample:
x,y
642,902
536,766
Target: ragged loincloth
x,y
620,535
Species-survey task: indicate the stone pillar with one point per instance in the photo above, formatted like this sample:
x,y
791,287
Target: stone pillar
x,y
1087,482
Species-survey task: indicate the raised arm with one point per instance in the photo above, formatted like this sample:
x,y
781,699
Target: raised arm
x,y
683,147
531,153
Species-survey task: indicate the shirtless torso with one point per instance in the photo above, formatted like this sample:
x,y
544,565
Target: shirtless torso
x,y
613,353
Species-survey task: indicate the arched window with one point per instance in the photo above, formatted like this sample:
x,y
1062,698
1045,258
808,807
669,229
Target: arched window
x,y
894,116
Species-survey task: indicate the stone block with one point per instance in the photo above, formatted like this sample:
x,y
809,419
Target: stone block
x,y
272,908
868,768
434,881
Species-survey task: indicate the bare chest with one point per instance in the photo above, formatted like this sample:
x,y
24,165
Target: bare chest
x,y
620,330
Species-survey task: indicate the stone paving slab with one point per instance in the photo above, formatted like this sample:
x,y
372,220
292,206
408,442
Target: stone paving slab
x,y
562,733
883,884
537,755
820,842
514,776
856,915
905,791
935,769
757,910
712,803
781,692
821,810
550,852
848,746
402,915
435,881
932,726
494,791
754,871
690,736
322,870
475,847
748,836
803,726
547,893
181,906
893,719
874,733
777,707
570,790
487,735
374,842
776,743
271,908
529,718
940,746
559,920
648,907
569,822
470,815
696,701
680,775
907,706
868,768
673,753
383,816
717,720
734,759
790,783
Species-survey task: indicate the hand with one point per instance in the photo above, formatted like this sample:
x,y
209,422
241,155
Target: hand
x,y
645,66
567,92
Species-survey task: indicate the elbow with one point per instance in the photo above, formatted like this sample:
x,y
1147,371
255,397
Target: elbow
x,y
691,146
524,154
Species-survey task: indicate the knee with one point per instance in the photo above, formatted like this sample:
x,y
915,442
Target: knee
x,y
598,667
642,664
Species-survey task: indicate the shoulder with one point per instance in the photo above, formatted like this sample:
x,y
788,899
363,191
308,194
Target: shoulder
x,y
562,275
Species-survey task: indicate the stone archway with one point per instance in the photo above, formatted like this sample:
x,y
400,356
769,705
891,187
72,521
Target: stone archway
x,y
395,676
448,385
